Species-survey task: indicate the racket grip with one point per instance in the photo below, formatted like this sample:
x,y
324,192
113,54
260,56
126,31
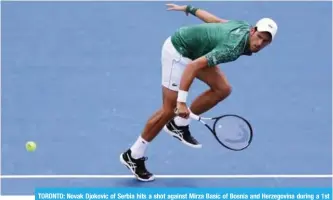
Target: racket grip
x,y
194,116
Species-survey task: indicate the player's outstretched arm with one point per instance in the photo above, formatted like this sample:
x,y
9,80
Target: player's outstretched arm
x,y
199,13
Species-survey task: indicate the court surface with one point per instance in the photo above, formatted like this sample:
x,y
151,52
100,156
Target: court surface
x,y
82,78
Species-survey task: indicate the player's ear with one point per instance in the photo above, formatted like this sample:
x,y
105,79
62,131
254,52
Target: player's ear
x,y
253,30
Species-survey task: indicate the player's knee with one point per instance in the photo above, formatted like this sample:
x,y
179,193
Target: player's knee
x,y
168,113
223,91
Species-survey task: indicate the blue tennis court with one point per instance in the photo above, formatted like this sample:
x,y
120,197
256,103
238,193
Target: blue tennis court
x,y
81,79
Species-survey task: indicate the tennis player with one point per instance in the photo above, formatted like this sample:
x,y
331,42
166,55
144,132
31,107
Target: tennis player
x,y
194,52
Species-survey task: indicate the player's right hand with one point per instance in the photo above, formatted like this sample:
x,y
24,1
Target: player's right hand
x,y
176,7
182,110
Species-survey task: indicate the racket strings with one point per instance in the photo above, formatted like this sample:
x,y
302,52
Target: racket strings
x,y
233,132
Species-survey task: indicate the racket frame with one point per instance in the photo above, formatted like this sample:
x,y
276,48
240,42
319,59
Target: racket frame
x,y
213,130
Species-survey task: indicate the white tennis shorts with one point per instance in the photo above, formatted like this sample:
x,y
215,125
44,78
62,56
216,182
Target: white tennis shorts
x,y
173,66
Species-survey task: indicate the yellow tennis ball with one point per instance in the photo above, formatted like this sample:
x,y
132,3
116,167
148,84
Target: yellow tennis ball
x,y
30,146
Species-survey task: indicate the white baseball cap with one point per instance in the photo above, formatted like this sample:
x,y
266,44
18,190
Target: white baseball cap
x,y
267,25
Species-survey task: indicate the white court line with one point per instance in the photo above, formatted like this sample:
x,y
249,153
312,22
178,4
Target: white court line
x,y
166,176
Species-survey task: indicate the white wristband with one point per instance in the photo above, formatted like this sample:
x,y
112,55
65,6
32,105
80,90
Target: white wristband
x,y
182,96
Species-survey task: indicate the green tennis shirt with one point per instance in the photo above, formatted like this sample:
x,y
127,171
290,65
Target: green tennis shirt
x,y
218,42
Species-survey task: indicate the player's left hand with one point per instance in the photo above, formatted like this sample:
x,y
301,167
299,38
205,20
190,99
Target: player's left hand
x,y
182,110
176,7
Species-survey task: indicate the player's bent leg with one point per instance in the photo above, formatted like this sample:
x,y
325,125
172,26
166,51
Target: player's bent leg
x,y
134,158
219,90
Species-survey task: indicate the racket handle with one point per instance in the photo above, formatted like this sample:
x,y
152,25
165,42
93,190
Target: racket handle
x,y
194,116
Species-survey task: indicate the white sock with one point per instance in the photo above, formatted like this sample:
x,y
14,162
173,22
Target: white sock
x,y
139,147
182,121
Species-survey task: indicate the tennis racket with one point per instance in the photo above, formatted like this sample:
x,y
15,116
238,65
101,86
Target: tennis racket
x,y
231,131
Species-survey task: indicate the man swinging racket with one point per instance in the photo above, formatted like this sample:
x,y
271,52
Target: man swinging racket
x,y
194,52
